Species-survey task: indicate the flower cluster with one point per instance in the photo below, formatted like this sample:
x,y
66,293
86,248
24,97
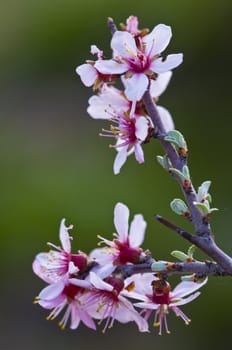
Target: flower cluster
x,y
93,287
136,60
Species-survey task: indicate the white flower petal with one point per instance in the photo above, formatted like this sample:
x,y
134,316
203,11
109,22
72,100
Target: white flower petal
x,y
157,41
171,61
126,313
139,155
52,291
86,319
136,87
186,300
80,283
123,44
150,306
158,86
166,118
64,236
137,231
120,159
141,128
99,283
110,67
102,255
121,217
87,73
75,318
103,271
186,287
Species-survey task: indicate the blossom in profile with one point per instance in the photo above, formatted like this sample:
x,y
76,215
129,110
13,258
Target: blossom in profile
x,y
157,295
67,294
89,74
105,302
125,247
53,265
139,59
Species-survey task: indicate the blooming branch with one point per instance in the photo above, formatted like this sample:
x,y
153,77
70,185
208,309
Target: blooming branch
x,y
99,286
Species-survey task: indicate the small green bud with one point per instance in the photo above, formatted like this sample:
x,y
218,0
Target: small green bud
x,y
179,207
158,266
164,161
175,137
179,255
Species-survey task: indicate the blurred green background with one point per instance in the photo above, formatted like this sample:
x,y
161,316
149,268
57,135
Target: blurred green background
x,y
54,164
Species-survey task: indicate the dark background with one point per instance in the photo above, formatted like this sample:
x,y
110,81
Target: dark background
x,y
54,164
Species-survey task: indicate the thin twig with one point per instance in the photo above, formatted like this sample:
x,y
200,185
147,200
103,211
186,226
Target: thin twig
x,y
186,235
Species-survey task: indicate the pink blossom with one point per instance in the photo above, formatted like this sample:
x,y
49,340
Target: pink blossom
x,y
125,247
54,265
66,293
157,295
139,59
105,302
130,131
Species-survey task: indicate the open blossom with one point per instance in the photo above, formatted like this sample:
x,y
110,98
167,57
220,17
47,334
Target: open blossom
x,y
157,295
53,265
130,130
125,247
67,294
105,302
139,59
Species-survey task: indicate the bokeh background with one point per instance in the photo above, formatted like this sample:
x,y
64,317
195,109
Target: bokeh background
x,y
54,164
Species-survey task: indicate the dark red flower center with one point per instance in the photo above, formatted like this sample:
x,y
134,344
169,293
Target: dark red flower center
x,y
127,254
161,290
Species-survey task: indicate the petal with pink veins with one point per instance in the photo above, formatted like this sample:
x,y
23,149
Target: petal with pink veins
x,y
75,318
157,41
86,319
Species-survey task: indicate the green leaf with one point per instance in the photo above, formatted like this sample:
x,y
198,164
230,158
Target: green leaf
x,y
191,250
179,207
164,161
179,255
175,137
